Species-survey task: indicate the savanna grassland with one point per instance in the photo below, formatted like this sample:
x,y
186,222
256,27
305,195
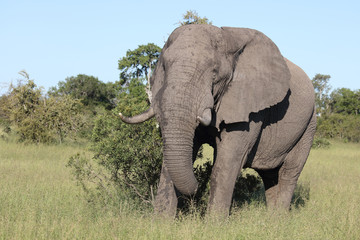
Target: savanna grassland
x,y
40,200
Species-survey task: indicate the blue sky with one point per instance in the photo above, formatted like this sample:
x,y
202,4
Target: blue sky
x,y
53,40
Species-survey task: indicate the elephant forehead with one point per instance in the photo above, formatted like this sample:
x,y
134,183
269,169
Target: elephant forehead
x,y
194,30
196,35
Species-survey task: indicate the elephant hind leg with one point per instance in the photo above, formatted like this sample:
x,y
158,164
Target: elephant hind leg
x,y
270,179
294,163
280,183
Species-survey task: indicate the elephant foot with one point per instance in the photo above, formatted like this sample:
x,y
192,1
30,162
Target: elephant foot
x,y
217,213
165,207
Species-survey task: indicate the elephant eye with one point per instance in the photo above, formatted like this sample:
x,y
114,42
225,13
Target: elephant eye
x,y
215,73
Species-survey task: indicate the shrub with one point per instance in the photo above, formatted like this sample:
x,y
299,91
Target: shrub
x,y
26,110
320,142
38,119
130,156
344,127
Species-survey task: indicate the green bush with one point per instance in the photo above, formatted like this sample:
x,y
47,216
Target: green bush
x,y
248,188
129,156
320,143
344,127
38,119
25,107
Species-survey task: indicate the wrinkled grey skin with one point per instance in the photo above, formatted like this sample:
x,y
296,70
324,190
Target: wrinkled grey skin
x,y
260,107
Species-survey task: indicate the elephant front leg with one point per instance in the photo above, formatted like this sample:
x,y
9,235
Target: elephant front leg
x,y
233,147
166,200
222,182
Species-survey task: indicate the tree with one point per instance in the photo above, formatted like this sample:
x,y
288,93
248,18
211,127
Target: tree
x,y
345,101
24,107
39,119
192,17
138,64
63,116
345,127
337,112
90,90
322,88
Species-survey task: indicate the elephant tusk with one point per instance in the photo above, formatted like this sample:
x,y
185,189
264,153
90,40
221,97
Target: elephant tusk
x,y
205,120
138,118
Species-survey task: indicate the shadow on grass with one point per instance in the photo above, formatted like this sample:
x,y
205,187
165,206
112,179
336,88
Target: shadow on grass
x,y
249,189
301,195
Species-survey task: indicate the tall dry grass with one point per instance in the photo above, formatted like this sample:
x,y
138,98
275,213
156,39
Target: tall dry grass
x,y
39,200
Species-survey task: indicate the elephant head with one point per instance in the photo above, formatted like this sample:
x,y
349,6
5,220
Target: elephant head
x,y
209,75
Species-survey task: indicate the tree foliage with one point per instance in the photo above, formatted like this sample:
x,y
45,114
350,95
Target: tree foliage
x,y
25,107
38,119
322,89
345,101
344,127
4,113
63,117
131,155
192,17
90,90
138,63
338,111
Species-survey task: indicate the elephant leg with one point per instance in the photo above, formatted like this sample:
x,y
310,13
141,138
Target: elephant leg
x,y
232,151
166,200
280,183
293,165
270,179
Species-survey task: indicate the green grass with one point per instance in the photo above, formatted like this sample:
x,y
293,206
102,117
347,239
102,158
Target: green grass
x,y
40,200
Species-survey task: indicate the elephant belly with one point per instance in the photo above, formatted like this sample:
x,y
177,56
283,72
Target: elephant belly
x,y
286,122
275,142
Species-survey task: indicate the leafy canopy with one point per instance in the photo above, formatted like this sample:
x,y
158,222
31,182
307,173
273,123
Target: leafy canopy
x,y
139,62
192,17
322,89
338,111
345,101
90,90
39,119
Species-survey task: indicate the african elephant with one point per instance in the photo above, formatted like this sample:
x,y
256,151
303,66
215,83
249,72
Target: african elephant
x,y
231,88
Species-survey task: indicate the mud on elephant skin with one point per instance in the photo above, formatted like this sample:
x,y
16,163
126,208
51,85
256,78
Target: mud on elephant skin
x,y
232,88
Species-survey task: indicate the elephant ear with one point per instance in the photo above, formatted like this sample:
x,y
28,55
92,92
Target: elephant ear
x,y
260,78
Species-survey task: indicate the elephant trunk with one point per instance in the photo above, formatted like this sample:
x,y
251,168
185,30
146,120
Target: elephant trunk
x,y
178,153
185,103
178,130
